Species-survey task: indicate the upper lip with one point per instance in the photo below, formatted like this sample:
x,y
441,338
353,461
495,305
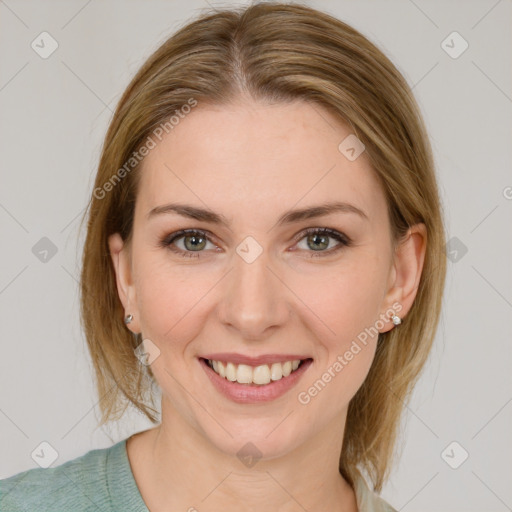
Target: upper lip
x,y
230,357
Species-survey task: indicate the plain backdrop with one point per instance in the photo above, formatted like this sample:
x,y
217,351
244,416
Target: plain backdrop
x,y
54,115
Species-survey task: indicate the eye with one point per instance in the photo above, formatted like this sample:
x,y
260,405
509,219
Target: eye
x,y
191,240
317,239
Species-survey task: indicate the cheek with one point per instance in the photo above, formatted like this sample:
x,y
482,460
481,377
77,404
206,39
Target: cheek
x,y
171,299
344,358
347,302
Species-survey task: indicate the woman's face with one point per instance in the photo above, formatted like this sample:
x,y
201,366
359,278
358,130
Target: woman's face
x,y
249,282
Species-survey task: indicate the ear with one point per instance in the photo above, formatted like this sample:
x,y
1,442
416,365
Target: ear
x,y
405,274
121,259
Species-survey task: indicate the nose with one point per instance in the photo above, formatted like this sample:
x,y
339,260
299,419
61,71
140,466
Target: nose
x,y
255,300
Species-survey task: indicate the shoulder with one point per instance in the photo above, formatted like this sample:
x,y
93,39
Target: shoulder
x,y
78,484
369,501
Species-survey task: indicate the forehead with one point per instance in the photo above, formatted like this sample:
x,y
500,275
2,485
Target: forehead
x,y
252,157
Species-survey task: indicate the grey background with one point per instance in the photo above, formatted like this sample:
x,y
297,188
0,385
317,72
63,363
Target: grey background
x,y
54,114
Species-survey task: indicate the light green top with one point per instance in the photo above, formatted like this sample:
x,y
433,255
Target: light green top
x,y
102,481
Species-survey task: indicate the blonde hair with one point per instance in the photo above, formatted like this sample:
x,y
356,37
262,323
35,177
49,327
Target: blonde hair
x,y
275,53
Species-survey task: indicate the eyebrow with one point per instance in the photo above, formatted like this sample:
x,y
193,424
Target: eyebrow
x,y
205,215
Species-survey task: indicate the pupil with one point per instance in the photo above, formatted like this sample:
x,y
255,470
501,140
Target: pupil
x,y
194,242
323,241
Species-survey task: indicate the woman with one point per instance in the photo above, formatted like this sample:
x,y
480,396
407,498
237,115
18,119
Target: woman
x,y
265,245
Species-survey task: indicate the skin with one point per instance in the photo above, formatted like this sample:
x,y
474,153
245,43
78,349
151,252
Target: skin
x,y
252,162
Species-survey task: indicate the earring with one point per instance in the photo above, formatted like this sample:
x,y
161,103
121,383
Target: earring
x,y
396,319
128,319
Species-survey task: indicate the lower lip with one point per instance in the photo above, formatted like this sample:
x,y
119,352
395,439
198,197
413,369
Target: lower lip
x,y
254,393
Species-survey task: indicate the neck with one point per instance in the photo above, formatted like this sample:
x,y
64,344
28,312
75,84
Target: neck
x,y
178,468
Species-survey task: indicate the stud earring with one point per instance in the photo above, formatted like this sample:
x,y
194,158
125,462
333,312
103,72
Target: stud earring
x,y
396,319
128,319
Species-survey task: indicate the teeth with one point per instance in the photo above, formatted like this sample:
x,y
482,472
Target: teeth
x,y
245,374
230,372
261,374
276,371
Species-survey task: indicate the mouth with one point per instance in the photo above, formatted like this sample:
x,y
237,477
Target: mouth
x,y
260,375
249,383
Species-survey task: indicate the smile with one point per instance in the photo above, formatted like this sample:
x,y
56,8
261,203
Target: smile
x,y
265,379
260,375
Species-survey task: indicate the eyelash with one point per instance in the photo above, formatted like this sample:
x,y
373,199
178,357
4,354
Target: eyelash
x,y
344,240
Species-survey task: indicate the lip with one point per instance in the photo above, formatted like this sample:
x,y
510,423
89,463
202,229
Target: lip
x,y
227,357
254,393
